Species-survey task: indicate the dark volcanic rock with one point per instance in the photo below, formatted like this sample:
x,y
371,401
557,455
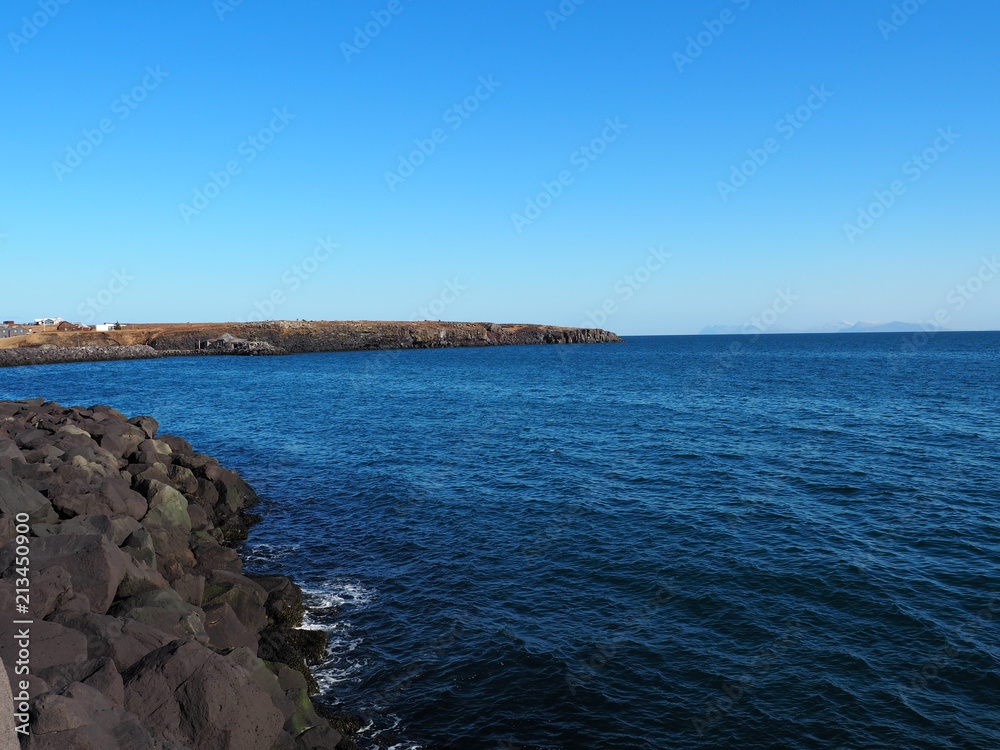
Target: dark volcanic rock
x,y
51,644
123,641
244,596
146,424
94,564
145,634
79,717
296,648
284,601
84,495
62,354
100,674
225,629
165,611
17,496
192,696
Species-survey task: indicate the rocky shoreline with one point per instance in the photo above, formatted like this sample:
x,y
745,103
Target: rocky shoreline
x,y
56,355
144,634
283,337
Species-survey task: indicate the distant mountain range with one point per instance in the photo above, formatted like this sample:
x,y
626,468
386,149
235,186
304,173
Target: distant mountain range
x,y
843,326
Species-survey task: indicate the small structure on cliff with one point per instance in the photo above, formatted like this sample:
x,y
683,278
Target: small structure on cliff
x,y
229,344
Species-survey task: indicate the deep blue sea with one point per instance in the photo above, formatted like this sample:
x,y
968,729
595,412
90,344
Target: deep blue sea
x,y
677,542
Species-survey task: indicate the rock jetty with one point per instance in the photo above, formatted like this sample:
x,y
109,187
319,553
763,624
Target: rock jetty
x,y
144,633
54,355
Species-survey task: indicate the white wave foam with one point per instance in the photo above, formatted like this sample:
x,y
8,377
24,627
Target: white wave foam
x,y
328,608
264,552
396,722
338,594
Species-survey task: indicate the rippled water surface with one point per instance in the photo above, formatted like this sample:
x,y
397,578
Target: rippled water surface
x,y
712,542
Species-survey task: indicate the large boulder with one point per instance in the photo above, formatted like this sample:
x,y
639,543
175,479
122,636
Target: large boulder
x,y
213,556
77,525
79,717
52,590
191,588
100,674
17,496
51,644
284,601
146,424
168,522
95,495
304,729
120,439
194,697
139,544
233,490
182,480
139,579
123,641
166,611
94,563
177,444
246,597
225,630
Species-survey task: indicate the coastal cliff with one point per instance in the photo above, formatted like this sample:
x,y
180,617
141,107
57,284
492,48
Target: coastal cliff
x,y
144,633
280,337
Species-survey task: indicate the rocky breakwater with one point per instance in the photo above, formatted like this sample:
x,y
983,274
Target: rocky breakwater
x,y
144,634
53,355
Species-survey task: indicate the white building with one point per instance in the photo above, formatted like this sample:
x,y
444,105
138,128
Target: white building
x,y
48,321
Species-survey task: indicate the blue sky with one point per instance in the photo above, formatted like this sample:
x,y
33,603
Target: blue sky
x,y
468,228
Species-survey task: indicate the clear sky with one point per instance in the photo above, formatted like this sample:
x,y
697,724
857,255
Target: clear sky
x,y
513,162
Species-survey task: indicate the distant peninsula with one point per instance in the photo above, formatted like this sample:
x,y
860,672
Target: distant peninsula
x,y
151,341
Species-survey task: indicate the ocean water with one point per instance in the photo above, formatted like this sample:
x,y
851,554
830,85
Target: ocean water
x,y
684,542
